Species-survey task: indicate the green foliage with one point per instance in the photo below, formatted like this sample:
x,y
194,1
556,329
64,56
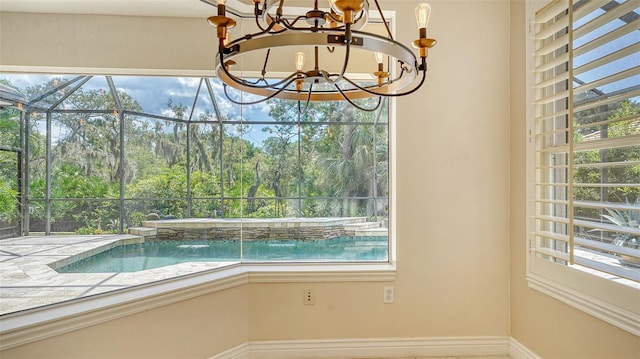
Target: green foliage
x,y
9,127
9,138
620,120
8,202
133,216
167,190
68,181
625,218
302,156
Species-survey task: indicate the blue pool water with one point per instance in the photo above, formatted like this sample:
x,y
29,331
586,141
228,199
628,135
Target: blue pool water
x,y
154,254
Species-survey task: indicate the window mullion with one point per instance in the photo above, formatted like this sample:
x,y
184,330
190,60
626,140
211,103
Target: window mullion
x,y
570,194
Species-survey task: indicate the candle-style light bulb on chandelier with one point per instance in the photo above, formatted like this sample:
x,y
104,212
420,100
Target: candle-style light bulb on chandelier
x,y
323,31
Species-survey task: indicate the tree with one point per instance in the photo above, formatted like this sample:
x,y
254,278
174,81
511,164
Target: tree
x,y
329,160
615,121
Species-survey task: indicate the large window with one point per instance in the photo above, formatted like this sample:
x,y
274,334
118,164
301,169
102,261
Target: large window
x,y
585,157
198,179
180,150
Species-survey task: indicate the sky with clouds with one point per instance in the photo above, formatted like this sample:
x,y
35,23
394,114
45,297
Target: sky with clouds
x,y
154,93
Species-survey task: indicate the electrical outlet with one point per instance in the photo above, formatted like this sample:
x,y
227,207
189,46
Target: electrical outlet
x,y
388,294
308,297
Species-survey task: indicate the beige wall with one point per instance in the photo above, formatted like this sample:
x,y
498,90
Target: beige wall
x,y
545,325
452,180
452,161
453,198
195,328
106,42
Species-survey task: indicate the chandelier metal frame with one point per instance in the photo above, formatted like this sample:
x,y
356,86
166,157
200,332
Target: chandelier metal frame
x,y
339,26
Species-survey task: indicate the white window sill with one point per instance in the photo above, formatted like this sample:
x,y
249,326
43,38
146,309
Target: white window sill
x,y
608,262
613,302
39,323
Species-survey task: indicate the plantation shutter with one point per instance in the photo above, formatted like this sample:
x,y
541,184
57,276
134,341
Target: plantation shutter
x,y
587,135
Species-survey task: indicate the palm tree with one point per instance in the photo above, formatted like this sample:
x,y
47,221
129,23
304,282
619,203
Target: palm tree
x,y
349,172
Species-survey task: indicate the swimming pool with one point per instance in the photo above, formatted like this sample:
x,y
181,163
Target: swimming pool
x,y
160,253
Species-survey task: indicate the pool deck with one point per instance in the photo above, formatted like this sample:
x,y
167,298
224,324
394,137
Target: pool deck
x,y
28,280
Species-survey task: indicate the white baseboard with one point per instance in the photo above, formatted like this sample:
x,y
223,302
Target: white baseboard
x,y
241,351
519,351
372,348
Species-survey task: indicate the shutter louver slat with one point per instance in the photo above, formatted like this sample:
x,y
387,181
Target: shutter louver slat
x,y
551,30
609,185
550,11
608,16
552,132
611,228
608,143
609,121
548,65
607,38
555,254
601,205
557,44
554,81
617,55
607,164
587,8
605,247
558,114
617,271
552,98
606,100
609,79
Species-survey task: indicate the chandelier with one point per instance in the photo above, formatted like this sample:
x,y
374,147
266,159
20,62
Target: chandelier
x,y
334,34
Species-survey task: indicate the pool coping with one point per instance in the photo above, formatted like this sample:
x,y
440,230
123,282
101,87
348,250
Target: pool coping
x,y
28,276
131,239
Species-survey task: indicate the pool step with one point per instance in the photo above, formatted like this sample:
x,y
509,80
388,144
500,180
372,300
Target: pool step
x,y
143,231
354,220
366,229
372,232
362,225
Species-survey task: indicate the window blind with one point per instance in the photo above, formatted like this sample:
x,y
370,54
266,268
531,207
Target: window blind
x,y
587,135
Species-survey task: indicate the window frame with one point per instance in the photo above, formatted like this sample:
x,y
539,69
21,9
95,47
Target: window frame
x,y
590,291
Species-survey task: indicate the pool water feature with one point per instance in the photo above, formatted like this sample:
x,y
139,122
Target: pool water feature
x,y
160,253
